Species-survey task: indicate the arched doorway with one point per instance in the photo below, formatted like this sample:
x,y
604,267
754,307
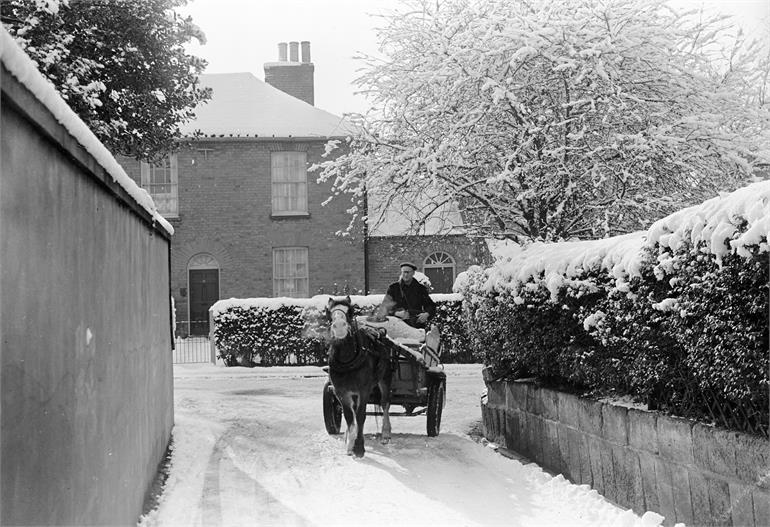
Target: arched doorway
x,y
439,267
203,285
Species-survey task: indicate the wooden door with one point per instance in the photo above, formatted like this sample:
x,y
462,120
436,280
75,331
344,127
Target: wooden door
x,y
204,291
441,279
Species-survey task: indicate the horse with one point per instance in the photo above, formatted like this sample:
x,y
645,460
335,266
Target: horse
x,y
358,361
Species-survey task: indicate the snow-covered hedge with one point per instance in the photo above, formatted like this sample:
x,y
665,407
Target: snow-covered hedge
x,y
676,316
277,331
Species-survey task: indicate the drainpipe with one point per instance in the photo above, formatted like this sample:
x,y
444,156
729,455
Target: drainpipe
x,y
366,242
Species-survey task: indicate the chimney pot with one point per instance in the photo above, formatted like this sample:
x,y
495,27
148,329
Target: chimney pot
x,y
282,51
305,51
294,51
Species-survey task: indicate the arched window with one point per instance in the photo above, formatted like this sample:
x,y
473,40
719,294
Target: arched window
x,y
203,282
439,267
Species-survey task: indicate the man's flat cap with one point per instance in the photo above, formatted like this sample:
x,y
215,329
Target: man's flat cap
x,y
408,264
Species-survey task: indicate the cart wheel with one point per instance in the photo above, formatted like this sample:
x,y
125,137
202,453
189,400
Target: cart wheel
x,y
332,410
435,406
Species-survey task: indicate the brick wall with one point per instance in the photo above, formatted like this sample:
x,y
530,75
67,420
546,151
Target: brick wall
x,y
686,471
225,210
294,78
385,254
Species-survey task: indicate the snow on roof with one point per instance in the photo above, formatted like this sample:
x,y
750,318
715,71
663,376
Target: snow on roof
x,y
399,216
21,66
242,105
715,223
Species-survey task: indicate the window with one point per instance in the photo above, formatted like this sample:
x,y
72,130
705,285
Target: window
x,y
439,267
290,272
161,182
289,177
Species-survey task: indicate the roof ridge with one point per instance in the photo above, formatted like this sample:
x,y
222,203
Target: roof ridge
x,y
243,105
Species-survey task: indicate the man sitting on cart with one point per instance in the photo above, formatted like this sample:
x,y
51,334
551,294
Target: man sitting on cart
x,y
408,299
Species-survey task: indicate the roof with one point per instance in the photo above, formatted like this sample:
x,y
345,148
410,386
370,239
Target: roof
x,y
399,218
242,105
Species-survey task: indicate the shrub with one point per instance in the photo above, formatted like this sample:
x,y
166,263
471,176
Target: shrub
x,y
687,333
283,331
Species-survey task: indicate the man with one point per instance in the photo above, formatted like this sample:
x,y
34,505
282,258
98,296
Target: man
x,y
408,299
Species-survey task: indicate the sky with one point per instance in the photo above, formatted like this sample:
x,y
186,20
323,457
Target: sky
x,y
244,34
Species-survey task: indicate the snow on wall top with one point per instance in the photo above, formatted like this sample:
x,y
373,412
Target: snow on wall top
x,y
714,222
18,63
242,105
318,302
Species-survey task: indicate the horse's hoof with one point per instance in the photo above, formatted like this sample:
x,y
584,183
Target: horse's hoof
x,y
358,452
385,440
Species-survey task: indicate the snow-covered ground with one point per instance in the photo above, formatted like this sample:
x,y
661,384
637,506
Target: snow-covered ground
x,y
250,448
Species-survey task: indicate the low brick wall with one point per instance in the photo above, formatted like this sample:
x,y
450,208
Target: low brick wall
x,y
643,460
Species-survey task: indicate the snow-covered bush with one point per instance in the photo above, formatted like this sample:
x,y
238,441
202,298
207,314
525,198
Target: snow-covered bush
x,y
676,317
279,331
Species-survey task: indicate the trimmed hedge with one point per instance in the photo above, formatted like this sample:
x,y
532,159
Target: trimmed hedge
x,y
271,332
687,334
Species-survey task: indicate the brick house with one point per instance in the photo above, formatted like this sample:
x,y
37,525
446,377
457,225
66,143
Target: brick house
x,y
247,215
440,247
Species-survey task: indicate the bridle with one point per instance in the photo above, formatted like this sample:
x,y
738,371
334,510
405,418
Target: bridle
x,y
339,314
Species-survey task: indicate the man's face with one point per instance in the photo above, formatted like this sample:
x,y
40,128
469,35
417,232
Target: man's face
x,y
407,273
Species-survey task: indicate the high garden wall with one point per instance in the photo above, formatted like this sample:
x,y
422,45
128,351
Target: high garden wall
x,y
673,322
87,401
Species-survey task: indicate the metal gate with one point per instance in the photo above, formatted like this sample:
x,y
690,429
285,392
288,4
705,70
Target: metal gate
x,y
191,348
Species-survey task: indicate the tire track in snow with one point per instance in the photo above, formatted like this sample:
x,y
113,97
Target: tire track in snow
x,y
231,494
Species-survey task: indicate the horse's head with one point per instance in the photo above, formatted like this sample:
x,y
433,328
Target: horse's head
x,y
339,312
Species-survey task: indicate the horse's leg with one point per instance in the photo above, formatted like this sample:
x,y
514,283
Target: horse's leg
x,y
358,447
384,385
349,409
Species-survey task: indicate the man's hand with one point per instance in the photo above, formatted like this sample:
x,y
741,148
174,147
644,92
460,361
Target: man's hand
x,y
422,318
373,333
403,314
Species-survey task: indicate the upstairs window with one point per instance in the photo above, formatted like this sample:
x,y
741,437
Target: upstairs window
x,y
289,182
161,182
290,272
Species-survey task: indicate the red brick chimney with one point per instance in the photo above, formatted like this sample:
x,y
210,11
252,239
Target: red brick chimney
x,y
292,76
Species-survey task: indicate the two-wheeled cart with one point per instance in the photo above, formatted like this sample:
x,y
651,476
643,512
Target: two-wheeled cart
x,y
418,383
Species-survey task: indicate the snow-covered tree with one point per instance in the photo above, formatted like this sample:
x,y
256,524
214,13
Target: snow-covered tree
x,y
551,120
120,65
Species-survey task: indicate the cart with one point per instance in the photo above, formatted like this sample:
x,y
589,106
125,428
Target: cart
x,y
418,382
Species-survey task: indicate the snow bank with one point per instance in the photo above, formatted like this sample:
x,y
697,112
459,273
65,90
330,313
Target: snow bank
x,y
715,223
318,302
24,69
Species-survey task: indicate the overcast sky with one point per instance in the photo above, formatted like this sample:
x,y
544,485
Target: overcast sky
x,y
244,34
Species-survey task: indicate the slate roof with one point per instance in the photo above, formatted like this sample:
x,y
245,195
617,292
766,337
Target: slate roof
x,y
399,217
242,105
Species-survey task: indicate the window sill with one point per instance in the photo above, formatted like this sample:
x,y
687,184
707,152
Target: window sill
x,y
290,215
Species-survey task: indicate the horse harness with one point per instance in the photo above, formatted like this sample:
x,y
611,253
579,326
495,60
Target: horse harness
x,y
360,357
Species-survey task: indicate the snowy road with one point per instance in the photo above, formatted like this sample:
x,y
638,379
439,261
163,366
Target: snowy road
x,y
250,448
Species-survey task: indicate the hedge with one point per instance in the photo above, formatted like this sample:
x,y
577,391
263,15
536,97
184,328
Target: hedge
x,y
676,317
282,331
